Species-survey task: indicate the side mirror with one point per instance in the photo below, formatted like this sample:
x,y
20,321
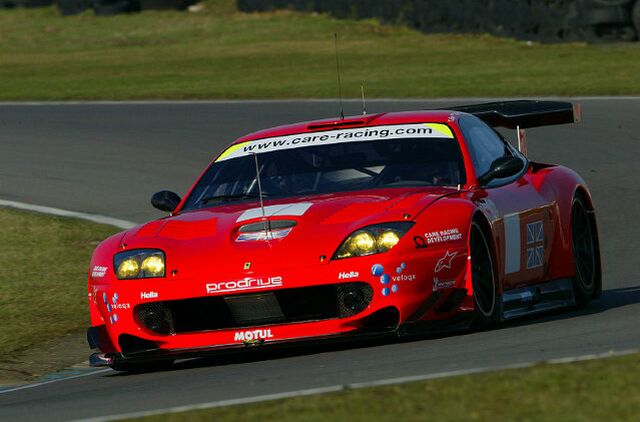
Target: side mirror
x,y
502,167
165,200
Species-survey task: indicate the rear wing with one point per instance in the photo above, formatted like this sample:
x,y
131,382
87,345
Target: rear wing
x,y
523,114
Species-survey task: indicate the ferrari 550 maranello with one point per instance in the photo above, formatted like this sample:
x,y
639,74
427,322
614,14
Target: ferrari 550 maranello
x,y
384,223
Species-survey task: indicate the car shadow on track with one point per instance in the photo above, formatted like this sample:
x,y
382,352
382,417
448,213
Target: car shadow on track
x,y
610,299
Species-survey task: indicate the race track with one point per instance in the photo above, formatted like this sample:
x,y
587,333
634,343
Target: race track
x,y
109,158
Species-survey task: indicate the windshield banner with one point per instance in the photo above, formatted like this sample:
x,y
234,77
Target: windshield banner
x,y
372,133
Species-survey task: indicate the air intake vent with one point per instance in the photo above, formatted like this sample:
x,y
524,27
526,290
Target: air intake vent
x,y
315,303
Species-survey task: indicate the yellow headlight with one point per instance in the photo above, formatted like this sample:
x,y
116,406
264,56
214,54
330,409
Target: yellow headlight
x,y
128,268
387,240
153,266
363,243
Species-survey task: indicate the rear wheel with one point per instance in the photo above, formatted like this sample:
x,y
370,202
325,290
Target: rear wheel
x,y
483,278
584,253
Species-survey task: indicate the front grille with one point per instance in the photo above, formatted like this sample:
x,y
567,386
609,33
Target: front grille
x,y
235,311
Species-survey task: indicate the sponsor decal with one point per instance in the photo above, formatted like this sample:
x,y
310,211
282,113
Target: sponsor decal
x,y
442,236
94,295
390,283
535,244
252,335
98,271
148,295
442,284
419,242
113,305
244,284
348,275
377,269
373,133
445,261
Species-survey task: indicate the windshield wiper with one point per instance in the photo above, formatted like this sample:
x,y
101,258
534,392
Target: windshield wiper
x,y
226,198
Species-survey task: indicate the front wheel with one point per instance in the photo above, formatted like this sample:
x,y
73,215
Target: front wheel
x,y
483,279
584,253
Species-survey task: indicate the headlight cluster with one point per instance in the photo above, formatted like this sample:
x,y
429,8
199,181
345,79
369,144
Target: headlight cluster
x,y
139,263
373,239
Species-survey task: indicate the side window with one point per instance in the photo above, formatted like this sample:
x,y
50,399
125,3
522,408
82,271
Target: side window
x,y
484,144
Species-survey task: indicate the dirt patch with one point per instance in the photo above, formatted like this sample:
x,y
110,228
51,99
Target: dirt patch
x,y
52,355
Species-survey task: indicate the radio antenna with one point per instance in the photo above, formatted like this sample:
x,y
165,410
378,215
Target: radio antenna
x,y
335,37
364,104
260,195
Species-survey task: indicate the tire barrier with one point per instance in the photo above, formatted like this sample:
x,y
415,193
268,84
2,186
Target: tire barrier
x,y
101,7
537,20
10,4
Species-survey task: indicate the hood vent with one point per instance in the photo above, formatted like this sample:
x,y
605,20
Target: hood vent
x,y
271,224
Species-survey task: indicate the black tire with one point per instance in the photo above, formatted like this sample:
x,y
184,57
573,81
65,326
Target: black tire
x,y
484,280
584,249
141,367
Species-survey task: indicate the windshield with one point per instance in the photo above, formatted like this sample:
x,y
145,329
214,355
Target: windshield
x,y
347,166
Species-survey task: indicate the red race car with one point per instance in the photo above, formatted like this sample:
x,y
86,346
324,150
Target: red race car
x,y
385,223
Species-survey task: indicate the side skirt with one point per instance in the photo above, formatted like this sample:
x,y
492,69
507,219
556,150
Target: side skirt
x,y
542,297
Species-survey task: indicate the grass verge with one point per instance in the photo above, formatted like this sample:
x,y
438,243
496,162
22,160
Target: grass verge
x,y
43,294
604,389
222,53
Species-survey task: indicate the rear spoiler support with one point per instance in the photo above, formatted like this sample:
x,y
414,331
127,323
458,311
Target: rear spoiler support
x,y
523,114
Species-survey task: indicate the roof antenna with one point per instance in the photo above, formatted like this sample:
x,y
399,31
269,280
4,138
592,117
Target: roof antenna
x,y
260,195
364,104
335,36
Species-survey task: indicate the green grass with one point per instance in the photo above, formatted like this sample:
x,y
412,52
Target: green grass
x,y
43,275
598,390
222,53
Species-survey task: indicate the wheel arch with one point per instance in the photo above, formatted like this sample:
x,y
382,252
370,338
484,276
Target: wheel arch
x,y
583,193
483,222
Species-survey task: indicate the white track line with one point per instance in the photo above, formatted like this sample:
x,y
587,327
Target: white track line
x,y
345,387
38,384
101,219
312,100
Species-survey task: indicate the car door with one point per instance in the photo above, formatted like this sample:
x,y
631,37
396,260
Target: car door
x,y
522,220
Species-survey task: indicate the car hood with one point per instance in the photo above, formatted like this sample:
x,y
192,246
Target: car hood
x,y
203,242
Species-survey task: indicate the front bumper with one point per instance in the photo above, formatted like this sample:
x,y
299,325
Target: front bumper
x,y
400,286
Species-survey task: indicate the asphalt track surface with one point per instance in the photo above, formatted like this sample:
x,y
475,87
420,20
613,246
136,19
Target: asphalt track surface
x,y
109,158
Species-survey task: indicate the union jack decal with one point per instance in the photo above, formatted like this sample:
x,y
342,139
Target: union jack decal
x,y
535,243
